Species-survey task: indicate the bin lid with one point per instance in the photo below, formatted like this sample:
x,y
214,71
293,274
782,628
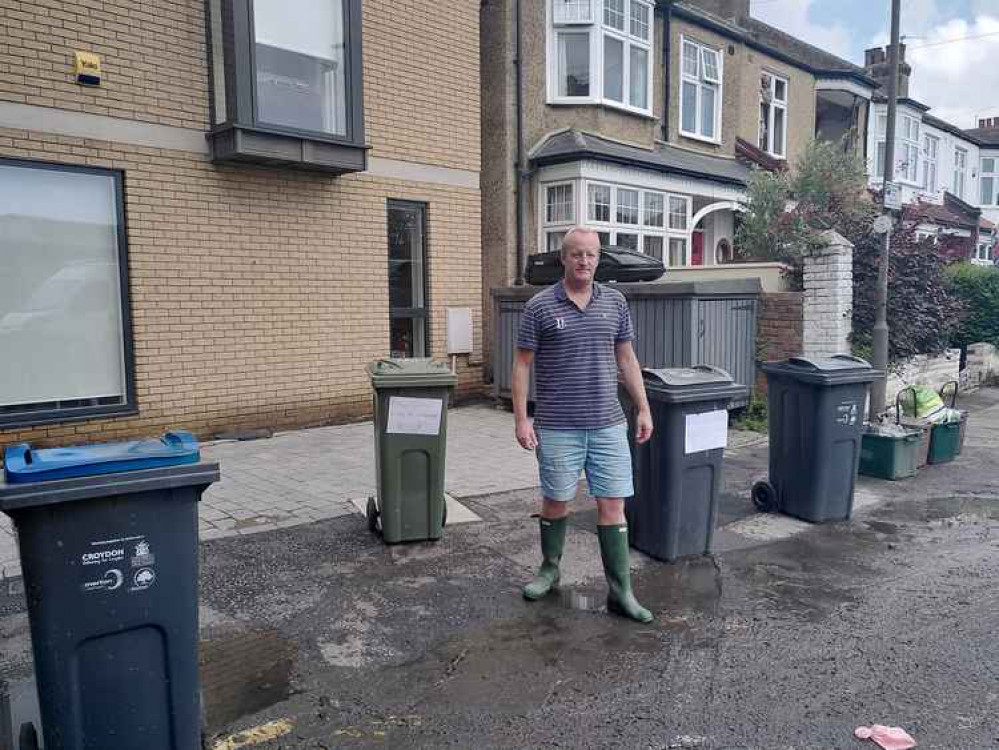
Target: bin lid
x,y
686,384
839,369
409,373
22,463
27,496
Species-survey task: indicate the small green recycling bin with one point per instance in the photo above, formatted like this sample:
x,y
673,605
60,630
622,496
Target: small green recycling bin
x,y
892,455
410,419
945,440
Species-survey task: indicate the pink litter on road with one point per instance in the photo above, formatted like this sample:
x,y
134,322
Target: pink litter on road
x,y
890,738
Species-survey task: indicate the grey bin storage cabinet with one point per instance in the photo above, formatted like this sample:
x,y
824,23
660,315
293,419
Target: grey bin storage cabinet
x,y
678,472
110,564
410,420
677,324
816,423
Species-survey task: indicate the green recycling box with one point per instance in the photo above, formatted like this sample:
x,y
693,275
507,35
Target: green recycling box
x,y
410,420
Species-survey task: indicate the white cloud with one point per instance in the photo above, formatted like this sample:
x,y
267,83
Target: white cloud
x,y
793,18
958,80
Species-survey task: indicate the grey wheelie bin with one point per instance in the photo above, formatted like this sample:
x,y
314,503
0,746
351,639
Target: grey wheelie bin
x,y
108,536
816,420
410,407
678,473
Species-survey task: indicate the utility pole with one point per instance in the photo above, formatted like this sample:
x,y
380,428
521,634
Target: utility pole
x,y
880,333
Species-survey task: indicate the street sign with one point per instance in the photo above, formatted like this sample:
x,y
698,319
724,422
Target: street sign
x,y
882,224
893,196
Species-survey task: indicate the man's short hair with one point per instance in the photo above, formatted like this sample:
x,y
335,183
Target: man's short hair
x,y
574,233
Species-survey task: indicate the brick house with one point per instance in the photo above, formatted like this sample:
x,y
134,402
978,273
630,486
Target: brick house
x,y
239,210
641,117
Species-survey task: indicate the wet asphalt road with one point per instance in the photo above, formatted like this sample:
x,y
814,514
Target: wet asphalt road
x,y
891,618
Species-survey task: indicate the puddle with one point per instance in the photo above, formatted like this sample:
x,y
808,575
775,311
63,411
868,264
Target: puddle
x,y
242,673
882,527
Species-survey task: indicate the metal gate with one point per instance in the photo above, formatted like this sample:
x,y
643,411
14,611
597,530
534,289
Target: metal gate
x,y
676,325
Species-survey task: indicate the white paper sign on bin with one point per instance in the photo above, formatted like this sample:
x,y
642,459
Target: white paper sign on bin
x,y
706,431
414,416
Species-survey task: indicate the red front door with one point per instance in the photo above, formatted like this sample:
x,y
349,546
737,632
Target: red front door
x,y
697,249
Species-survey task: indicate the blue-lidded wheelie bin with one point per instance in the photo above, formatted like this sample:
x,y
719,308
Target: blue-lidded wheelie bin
x,y
816,414
678,472
108,538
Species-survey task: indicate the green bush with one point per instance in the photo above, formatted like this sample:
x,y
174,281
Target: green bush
x,y
978,288
753,417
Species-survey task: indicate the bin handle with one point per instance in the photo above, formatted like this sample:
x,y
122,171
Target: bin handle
x,y
713,369
898,403
850,358
953,396
391,362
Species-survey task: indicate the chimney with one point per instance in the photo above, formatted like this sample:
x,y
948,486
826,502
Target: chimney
x,y
876,64
988,123
730,10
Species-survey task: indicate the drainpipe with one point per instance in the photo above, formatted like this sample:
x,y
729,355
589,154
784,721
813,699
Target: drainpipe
x,y
521,167
666,53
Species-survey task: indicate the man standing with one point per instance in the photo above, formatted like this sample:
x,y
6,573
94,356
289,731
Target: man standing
x,y
578,334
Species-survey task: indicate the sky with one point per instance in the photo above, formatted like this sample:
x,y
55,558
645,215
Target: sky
x,y
959,80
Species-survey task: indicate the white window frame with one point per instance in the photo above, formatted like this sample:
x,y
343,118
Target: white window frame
x,y
909,148
982,252
774,104
56,295
931,157
960,171
991,175
598,31
701,82
642,229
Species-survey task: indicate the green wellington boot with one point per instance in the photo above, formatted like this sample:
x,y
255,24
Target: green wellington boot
x,y
552,542
614,553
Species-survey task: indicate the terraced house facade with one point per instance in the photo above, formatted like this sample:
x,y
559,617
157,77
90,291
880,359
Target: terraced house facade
x,y
215,213
642,118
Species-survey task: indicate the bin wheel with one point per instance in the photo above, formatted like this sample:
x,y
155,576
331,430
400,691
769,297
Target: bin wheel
x,y
27,737
444,515
372,514
764,497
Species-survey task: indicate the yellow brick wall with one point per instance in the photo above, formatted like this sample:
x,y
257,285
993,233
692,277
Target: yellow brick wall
x,y
152,57
258,295
421,68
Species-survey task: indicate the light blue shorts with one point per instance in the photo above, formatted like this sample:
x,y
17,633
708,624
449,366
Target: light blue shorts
x,y
602,453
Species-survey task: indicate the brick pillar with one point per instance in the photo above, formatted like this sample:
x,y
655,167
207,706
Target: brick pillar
x,y
828,297
778,329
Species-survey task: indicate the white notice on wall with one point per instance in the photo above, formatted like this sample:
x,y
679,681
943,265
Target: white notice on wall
x,y
414,416
706,431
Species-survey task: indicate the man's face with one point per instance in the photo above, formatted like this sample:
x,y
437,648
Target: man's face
x,y
580,258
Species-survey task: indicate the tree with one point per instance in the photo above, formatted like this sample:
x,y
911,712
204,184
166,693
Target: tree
x,y
828,190
978,288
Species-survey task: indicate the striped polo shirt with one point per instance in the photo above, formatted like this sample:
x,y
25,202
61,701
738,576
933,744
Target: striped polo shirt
x,y
575,367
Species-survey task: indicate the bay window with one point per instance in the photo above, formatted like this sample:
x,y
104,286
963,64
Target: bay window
x,y
773,114
649,221
700,91
600,52
286,83
559,213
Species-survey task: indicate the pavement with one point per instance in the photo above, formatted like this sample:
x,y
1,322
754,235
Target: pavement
x,y
317,635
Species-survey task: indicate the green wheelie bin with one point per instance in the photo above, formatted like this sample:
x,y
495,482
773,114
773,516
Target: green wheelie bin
x,y
410,419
